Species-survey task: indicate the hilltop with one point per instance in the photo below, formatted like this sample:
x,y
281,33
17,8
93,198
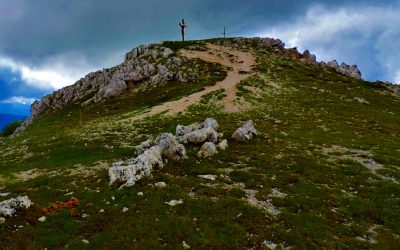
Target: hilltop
x,y
320,168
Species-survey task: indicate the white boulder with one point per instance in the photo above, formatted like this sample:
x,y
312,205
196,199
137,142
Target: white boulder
x,y
9,207
207,150
245,133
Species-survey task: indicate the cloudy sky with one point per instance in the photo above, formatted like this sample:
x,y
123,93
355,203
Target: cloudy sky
x,y
48,44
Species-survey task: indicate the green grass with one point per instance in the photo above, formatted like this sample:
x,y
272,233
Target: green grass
x,y
329,204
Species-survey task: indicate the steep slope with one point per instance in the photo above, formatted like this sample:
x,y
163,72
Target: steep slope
x,y
323,171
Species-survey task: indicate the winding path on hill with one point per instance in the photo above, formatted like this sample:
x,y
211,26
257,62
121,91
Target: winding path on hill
x,y
239,63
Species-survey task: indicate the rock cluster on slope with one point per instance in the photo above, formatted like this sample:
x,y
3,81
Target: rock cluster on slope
x,y
152,65
151,155
9,207
205,133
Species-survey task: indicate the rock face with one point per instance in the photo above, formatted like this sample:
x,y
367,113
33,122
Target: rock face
x,y
245,132
344,69
207,150
9,207
151,155
151,65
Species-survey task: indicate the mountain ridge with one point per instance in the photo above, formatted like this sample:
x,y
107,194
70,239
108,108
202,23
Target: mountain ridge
x,y
146,64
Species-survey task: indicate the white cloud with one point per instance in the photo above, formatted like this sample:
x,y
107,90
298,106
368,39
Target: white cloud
x,y
18,100
367,36
55,73
60,70
397,79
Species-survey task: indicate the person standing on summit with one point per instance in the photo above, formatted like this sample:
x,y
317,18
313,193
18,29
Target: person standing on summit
x,y
183,26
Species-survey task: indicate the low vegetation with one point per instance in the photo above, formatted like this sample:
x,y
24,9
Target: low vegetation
x,y
323,171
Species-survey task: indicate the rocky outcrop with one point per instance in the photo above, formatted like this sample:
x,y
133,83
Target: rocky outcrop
x,y
344,69
9,207
245,132
151,65
151,156
278,46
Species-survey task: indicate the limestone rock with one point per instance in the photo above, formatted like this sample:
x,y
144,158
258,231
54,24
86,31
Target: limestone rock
x,y
345,69
360,100
245,133
171,148
210,123
223,145
128,173
197,133
150,157
144,146
207,150
9,207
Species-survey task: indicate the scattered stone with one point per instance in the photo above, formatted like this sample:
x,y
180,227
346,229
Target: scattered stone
x,y
265,205
85,241
9,207
42,219
276,193
185,245
4,194
84,215
245,133
101,211
360,100
140,194
207,150
125,209
269,244
210,177
173,203
160,184
223,145
2,220
126,174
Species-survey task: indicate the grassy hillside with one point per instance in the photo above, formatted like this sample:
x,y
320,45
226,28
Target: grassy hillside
x,y
323,172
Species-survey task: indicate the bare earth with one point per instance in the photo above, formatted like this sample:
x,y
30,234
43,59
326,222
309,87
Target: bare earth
x,y
236,60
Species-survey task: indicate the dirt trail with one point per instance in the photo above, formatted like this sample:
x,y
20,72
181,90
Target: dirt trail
x,y
240,63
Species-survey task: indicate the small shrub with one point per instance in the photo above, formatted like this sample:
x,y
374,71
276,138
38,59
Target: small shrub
x,y
10,128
